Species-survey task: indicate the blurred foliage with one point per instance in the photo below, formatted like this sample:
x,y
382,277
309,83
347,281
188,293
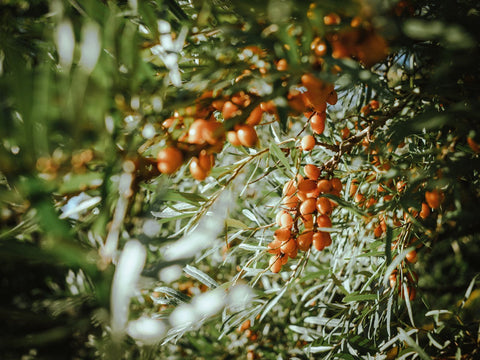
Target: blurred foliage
x,y
85,87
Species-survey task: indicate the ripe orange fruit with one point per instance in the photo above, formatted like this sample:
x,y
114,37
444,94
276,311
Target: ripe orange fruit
x,y
255,116
308,206
290,202
169,160
434,198
336,185
282,234
233,138
304,240
319,47
274,247
286,220
411,257
289,188
198,173
308,142
282,65
332,97
324,186
374,104
230,110
246,135
321,240
307,185
425,212
378,231
324,206
275,264
307,221
206,160
195,132
317,92
332,19
323,221
473,145
311,171
288,246
317,122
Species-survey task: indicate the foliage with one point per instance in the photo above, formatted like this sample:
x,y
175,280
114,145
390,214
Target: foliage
x,y
129,229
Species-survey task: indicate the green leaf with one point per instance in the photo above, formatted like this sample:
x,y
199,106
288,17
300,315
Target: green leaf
x,y
180,196
200,276
359,297
278,154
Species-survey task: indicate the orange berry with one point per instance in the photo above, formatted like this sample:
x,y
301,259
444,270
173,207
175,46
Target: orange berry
x,y
473,145
378,231
321,240
230,110
319,47
323,221
307,221
425,212
246,135
307,185
206,160
317,122
275,264
332,97
324,186
336,184
269,107
195,132
304,240
411,257
278,217
170,159
198,173
324,206
311,171
274,247
308,206
282,234
434,198
282,65
288,246
255,116
308,142
245,325
233,138
286,220
289,188
290,202
332,19
345,133
374,104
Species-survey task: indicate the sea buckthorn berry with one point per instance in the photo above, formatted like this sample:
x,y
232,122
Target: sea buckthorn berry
x,y
245,325
289,188
283,258
169,160
293,254
425,212
288,246
269,107
282,234
206,160
304,240
434,198
311,171
332,97
230,110
317,123
332,19
321,240
411,257
198,173
308,143
319,47
324,186
302,196
307,185
374,104
307,221
275,264
246,135
282,65
473,145
323,221
324,206
308,206
290,202
274,247
255,116
393,279
378,231
213,132
286,220
233,138
196,132
336,184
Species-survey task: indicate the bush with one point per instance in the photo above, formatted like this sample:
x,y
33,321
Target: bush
x,y
219,179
